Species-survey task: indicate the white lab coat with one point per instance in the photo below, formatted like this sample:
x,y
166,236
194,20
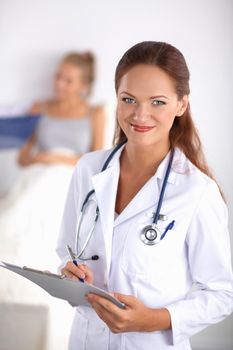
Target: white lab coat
x,y
196,251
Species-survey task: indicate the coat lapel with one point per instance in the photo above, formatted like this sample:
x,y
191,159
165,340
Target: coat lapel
x,y
105,185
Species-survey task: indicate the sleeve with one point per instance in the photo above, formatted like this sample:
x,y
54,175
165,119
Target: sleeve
x,y
69,220
208,252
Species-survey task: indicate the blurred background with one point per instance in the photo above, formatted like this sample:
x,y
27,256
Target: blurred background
x,y
34,36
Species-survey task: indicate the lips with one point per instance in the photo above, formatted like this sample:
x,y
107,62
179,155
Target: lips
x,y
141,128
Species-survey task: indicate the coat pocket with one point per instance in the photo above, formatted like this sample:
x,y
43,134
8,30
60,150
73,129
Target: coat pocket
x,y
141,260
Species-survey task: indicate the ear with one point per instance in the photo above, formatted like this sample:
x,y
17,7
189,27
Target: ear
x,y
182,106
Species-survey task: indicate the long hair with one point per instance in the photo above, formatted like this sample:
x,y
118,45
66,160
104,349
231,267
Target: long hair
x,y
183,133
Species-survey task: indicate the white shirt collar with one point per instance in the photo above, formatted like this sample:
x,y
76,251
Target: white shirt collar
x,y
180,164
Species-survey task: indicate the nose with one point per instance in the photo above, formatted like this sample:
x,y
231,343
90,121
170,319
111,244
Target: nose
x,y
141,113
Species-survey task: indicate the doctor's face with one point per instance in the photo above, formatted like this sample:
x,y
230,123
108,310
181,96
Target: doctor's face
x,y
147,105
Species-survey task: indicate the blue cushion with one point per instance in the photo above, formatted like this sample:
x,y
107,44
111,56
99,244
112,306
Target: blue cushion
x,y
14,131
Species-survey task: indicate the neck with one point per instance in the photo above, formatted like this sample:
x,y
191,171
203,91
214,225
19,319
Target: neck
x,y
70,101
144,160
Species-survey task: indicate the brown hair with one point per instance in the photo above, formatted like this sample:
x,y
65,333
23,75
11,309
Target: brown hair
x,y
86,62
183,133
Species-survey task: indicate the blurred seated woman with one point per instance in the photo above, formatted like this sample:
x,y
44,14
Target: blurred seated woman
x,y
69,127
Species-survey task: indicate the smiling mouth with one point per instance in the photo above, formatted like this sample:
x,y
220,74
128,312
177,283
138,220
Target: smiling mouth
x,y
141,128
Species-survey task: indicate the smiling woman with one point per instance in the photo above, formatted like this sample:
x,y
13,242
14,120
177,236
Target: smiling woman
x,y
147,101
162,227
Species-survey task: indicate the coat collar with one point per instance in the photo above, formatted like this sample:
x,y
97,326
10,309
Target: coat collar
x,y
105,185
180,165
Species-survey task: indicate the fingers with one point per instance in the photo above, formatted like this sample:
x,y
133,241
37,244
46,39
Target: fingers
x,y
134,317
87,272
128,300
113,316
75,272
72,271
97,301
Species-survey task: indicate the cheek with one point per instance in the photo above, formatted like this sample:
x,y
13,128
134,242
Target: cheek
x,y
120,112
124,111
166,117
120,117
123,115
59,84
78,87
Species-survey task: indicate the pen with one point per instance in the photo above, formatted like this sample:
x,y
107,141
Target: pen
x,y
72,256
169,227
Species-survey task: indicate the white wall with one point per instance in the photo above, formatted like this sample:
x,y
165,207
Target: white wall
x,y
35,34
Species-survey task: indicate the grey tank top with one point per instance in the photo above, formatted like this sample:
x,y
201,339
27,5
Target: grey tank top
x,y
61,134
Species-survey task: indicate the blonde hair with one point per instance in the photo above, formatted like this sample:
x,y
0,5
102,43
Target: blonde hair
x,y
85,61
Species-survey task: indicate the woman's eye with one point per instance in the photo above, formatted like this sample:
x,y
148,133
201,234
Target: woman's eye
x,y
128,100
158,102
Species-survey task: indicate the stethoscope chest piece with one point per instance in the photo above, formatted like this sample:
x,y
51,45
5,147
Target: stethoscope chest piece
x,y
150,234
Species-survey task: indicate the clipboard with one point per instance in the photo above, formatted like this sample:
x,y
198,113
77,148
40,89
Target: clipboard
x,y
59,287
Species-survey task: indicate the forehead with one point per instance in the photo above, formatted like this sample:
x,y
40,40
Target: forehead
x,y
146,79
70,69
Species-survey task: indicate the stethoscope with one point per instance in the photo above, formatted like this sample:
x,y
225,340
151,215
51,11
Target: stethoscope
x,y
150,234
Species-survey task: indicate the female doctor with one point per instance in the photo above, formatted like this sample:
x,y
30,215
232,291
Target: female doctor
x,y
153,223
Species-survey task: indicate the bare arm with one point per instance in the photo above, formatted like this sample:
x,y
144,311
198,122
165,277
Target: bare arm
x,y
26,157
25,153
37,108
98,127
54,158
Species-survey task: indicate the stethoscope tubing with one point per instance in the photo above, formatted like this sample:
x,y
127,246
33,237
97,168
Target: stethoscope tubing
x,y
156,216
91,192
106,163
87,239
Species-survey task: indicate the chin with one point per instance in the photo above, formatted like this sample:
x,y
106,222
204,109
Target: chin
x,y
143,142
146,142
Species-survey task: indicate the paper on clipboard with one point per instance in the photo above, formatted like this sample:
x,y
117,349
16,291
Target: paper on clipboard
x,y
63,288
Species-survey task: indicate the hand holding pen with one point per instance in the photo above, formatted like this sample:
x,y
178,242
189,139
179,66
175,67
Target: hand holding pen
x,y
75,272
72,256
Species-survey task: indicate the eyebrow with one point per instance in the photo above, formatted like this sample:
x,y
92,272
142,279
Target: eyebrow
x,y
151,98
